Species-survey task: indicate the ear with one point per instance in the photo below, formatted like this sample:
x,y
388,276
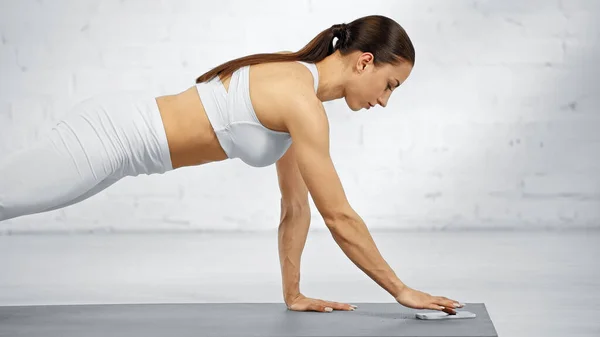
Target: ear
x,y
364,60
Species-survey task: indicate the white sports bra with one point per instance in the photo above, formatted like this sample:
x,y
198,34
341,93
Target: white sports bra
x,y
234,121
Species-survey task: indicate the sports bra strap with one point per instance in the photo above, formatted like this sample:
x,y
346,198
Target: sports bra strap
x,y
315,72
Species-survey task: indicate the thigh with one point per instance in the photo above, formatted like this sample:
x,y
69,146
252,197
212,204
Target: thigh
x,y
51,173
107,182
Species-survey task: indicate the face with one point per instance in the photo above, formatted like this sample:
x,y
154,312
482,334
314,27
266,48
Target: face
x,y
371,85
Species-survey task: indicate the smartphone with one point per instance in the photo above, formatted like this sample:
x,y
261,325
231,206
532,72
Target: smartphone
x,y
443,315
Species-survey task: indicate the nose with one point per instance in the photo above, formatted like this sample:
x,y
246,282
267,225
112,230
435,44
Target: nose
x,y
382,101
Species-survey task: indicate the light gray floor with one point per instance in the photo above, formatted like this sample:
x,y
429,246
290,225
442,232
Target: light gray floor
x,y
533,284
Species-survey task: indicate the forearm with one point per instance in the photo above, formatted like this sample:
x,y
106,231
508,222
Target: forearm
x,y
292,233
352,235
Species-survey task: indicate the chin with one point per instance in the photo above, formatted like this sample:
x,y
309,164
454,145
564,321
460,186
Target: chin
x,y
353,106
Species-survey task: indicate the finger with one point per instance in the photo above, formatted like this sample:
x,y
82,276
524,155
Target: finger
x,y
334,305
443,304
340,306
448,299
434,306
439,303
320,307
448,303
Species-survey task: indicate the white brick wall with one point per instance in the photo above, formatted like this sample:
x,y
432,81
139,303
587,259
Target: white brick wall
x,y
499,125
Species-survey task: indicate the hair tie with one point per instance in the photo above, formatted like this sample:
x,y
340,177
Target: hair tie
x,y
341,32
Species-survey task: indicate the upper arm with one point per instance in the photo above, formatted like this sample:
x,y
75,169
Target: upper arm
x,y
294,194
308,126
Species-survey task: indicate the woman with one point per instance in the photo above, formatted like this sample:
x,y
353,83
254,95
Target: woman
x,y
233,112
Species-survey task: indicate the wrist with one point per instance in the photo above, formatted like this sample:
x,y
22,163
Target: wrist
x,y
289,298
291,290
398,288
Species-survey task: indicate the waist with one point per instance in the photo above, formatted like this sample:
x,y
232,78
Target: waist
x,y
191,138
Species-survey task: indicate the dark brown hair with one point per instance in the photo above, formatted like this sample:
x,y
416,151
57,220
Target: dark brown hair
x,y
377,34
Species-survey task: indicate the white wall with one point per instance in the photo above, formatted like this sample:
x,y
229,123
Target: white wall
x,y
498,126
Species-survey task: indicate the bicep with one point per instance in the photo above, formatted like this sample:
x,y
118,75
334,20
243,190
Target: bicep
x,y
309,128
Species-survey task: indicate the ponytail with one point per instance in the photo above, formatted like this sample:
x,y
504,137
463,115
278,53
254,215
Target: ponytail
x,y
316,50
382,36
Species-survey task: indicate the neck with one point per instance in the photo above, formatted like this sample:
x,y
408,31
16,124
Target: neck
x,y
331,79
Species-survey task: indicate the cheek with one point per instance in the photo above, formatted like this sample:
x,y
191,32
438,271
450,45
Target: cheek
x,y
360,91
353,97
372,90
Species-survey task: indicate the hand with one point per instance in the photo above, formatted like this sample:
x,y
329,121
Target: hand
x,y
419,300
302,303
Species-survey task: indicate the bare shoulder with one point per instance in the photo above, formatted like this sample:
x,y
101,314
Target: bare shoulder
x,y
283,91
290,77
296,96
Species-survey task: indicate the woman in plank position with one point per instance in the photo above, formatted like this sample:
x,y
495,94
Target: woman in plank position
x,y
263,109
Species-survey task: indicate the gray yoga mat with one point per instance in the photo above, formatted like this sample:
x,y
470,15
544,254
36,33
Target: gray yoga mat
x,y
233,319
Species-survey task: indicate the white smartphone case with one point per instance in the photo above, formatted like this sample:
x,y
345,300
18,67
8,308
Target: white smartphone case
x,y
443,315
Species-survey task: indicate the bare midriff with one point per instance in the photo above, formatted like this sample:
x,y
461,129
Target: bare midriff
x,y
192,140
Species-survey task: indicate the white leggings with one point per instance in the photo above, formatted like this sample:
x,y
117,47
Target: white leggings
x,y
102,140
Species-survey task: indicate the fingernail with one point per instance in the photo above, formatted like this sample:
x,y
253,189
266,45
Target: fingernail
x,y
457,305
328,309
354,306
